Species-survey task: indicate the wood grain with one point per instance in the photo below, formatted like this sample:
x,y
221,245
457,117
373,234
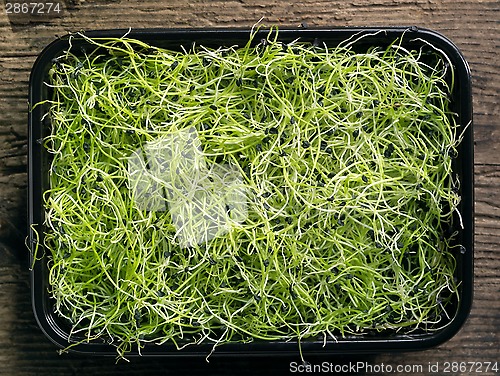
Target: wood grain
x,y
471,25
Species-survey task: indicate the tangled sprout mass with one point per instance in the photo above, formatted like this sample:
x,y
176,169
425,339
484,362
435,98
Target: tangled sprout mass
x,y
344,156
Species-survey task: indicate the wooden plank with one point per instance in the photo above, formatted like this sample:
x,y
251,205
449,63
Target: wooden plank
x,y
472,25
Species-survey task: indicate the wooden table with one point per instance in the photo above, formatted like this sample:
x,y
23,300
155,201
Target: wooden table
x,y
472,25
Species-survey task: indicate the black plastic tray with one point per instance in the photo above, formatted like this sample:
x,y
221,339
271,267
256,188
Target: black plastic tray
x,y
57,329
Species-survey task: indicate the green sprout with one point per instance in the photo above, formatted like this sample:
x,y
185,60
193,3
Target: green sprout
x,y
345,157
